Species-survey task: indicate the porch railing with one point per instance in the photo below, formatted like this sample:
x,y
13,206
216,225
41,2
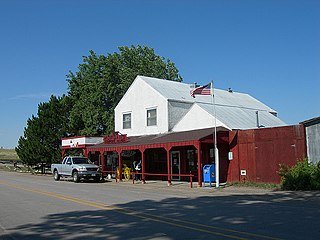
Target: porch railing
x,y
163,175
191,176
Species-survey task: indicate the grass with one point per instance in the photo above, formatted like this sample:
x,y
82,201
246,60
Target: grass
x,y
8,155
20,168
11,155
256,185
11,168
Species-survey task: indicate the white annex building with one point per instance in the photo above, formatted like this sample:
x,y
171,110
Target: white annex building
x,y
155,106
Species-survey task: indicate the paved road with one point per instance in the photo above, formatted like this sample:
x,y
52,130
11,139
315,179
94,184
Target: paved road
x,y
36,207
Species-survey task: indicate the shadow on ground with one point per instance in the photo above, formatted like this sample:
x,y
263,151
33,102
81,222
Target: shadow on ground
x,y
284,215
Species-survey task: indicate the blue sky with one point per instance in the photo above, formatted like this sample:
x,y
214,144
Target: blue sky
x,y
267,48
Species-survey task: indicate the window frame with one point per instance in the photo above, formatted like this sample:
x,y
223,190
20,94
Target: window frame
x,y
126,122
152,120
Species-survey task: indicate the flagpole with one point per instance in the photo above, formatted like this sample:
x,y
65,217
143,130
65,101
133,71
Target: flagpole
x,y
216,152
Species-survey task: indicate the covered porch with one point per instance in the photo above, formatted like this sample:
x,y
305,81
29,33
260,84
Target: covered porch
x,y
170,156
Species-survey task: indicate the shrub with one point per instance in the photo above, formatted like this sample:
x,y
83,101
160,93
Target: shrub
x,y
315,177
302,176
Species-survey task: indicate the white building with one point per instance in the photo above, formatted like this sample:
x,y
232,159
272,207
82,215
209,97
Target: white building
x,y
171,132
155,106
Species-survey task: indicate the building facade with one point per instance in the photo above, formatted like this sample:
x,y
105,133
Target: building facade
x,y
158,122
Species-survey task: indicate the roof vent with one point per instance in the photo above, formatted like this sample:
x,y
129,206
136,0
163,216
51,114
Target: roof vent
x,y
258,122
194,85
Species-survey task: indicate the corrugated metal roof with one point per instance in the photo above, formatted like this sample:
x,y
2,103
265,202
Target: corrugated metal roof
x,y
243,118
181,92
236,110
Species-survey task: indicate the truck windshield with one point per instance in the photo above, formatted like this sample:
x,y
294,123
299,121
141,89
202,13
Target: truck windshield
x,y
81,161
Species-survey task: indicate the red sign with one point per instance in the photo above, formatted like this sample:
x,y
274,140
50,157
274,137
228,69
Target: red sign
x,y
116,137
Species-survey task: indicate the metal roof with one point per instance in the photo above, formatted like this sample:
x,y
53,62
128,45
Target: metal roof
x,y
242,118
178,91
166,138
234,109
310,122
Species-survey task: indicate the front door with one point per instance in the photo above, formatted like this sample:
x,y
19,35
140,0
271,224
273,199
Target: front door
x,y
66,168
175,164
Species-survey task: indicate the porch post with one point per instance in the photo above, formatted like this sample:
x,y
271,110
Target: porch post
x,y
198,147
102,163
85,152
168,165
120,164
143,169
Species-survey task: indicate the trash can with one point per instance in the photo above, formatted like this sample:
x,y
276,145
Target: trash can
x,y
209,174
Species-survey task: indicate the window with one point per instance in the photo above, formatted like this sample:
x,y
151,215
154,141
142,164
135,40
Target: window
x,y
192,160
81,161
152,117
68,161
126,120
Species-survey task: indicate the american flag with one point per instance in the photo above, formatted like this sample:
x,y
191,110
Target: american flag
x,y
202,90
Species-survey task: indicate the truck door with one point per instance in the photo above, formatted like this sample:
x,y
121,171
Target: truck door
x,y
62,165
67,166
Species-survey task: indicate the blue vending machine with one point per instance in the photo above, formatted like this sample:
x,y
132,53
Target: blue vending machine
x,y
209,174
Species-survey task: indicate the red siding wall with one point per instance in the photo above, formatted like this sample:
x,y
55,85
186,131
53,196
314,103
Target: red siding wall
x,y
260,151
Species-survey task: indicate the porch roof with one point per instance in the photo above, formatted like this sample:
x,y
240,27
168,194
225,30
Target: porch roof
x,y
159,139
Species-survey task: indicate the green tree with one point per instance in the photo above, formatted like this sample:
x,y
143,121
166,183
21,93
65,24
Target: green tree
x,y
42,136
88,109
101,81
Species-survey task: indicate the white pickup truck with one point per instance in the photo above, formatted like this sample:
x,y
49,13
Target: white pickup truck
x,y
77,168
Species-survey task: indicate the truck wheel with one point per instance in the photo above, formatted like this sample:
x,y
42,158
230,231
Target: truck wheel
x,y
56,175
75,176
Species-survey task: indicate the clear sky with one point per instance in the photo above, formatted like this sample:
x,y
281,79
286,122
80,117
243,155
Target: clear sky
x,y
269,49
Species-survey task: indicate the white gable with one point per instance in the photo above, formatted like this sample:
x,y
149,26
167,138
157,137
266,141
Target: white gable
x,y
137,100
197,118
